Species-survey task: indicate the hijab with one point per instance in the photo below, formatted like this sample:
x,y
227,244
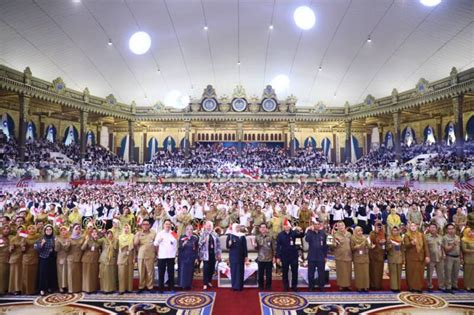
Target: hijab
x,y
358,239
234,230
126,239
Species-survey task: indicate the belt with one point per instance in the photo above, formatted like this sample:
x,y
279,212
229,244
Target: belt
x,y
454,256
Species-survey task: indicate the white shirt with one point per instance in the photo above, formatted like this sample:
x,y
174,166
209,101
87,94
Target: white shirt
x,y
167,244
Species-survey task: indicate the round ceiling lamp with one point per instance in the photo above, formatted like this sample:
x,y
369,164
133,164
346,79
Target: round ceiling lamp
x,y
430,3
304,17
281,84
176,99
139,43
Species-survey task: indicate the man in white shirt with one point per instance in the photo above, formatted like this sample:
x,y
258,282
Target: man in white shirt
x,y
167,246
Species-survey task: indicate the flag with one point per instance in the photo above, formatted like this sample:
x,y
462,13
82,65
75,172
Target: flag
x,y
23,233
160,179
361,181
252,174
467,184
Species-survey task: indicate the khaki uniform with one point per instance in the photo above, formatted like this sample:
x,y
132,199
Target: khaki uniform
x,y
30,262
415,262
360,257
376,258
436,260
258,218
395,262
108,266
15,276
62,248
74,266
125,268
343,257
4,265
453,261
305,218
90,265
468,251
146,259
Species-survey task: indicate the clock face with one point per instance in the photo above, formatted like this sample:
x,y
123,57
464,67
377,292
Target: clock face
x,y
239,104
209,104
269,105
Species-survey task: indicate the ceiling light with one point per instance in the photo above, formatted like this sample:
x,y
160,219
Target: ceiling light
x,y
76,1
369,40
281,84
304,17
206,28
271,26
335,95
430,3
139,43
238,63
158,70
320,68
109,42
176,99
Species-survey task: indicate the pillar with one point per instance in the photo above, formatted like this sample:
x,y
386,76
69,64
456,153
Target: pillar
x,y
131,147
187,130
396,124
145,147
439,130
348,133
24,101
240,136
291,126
458,124
83,133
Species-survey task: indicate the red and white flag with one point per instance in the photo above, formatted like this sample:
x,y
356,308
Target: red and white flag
x,y
467,184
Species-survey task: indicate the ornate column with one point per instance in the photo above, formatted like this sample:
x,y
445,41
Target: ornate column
x,y
240,135
187,142
439,130
348,133
131,143
458,124
24,101
396,124
83,132
144,146
291,126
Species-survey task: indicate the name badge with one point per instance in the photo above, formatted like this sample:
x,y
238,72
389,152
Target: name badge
x,y
361,252
269,244
92,248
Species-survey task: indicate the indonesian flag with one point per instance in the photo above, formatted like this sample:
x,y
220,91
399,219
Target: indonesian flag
x,y
59,221
51,216
139,220
286,222
175,235
209,185
467,184
160,179
23,233
252,174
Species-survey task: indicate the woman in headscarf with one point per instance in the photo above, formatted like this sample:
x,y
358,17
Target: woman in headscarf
x,y
416,255
377,256
90,262
108,263
467,244
127,218
47,261
30,261
395,259
342,256
75,217
237,246
74,266
125,260
393,220
16,256
187,255
360,252
61,246
4,258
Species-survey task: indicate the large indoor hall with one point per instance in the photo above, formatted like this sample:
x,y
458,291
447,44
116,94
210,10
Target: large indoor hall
x,y
231,157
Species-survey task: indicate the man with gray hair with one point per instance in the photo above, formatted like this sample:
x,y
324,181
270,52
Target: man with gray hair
x,y
209,251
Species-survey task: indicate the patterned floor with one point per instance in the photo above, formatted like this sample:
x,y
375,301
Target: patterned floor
x,y
368,303
181,303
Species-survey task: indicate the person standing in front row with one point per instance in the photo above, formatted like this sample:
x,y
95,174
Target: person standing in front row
x,y
265,247
167,248
125,260
317,253
287,254
47,281
360,252
395,259
187,255
209,251
452,248
237,246
4,258
437,257
342,256
468,252
416,255
146,256
377,256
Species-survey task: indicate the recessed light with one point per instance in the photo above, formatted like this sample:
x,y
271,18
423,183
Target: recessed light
x,y
304,17
430,3
369,40
206,28
320,68
109,42
271,26
238,63
158,70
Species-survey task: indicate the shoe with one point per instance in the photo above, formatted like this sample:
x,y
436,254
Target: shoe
x,y
295,289
268,288
210,285
286,289
42,293
322,290
260,288
311,289
430,290
204,287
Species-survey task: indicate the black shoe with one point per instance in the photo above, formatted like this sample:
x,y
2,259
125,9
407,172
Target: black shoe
x,y
311,289
295,289
286,289
419,291
260,288
268,288
321,289
430,290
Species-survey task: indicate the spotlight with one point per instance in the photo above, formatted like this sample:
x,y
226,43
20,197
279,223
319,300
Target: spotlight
x,y
369,40
320,69
109,42
271,26
206,28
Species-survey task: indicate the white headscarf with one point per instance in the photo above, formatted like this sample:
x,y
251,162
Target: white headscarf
x,y
234,230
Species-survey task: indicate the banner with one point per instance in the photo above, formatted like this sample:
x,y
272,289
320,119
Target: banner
x,y
83,182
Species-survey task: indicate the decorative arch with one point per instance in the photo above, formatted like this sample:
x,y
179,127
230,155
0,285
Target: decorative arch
x,y
30,131
470,129
389,140
51,133
124,148
450,134
408,136
8,126
169,144
310,142
185,143
90,138
356,150
326,144
152,147
71,135
295,144
429,136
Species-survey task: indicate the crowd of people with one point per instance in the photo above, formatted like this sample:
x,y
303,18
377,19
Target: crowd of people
x,y
90,238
